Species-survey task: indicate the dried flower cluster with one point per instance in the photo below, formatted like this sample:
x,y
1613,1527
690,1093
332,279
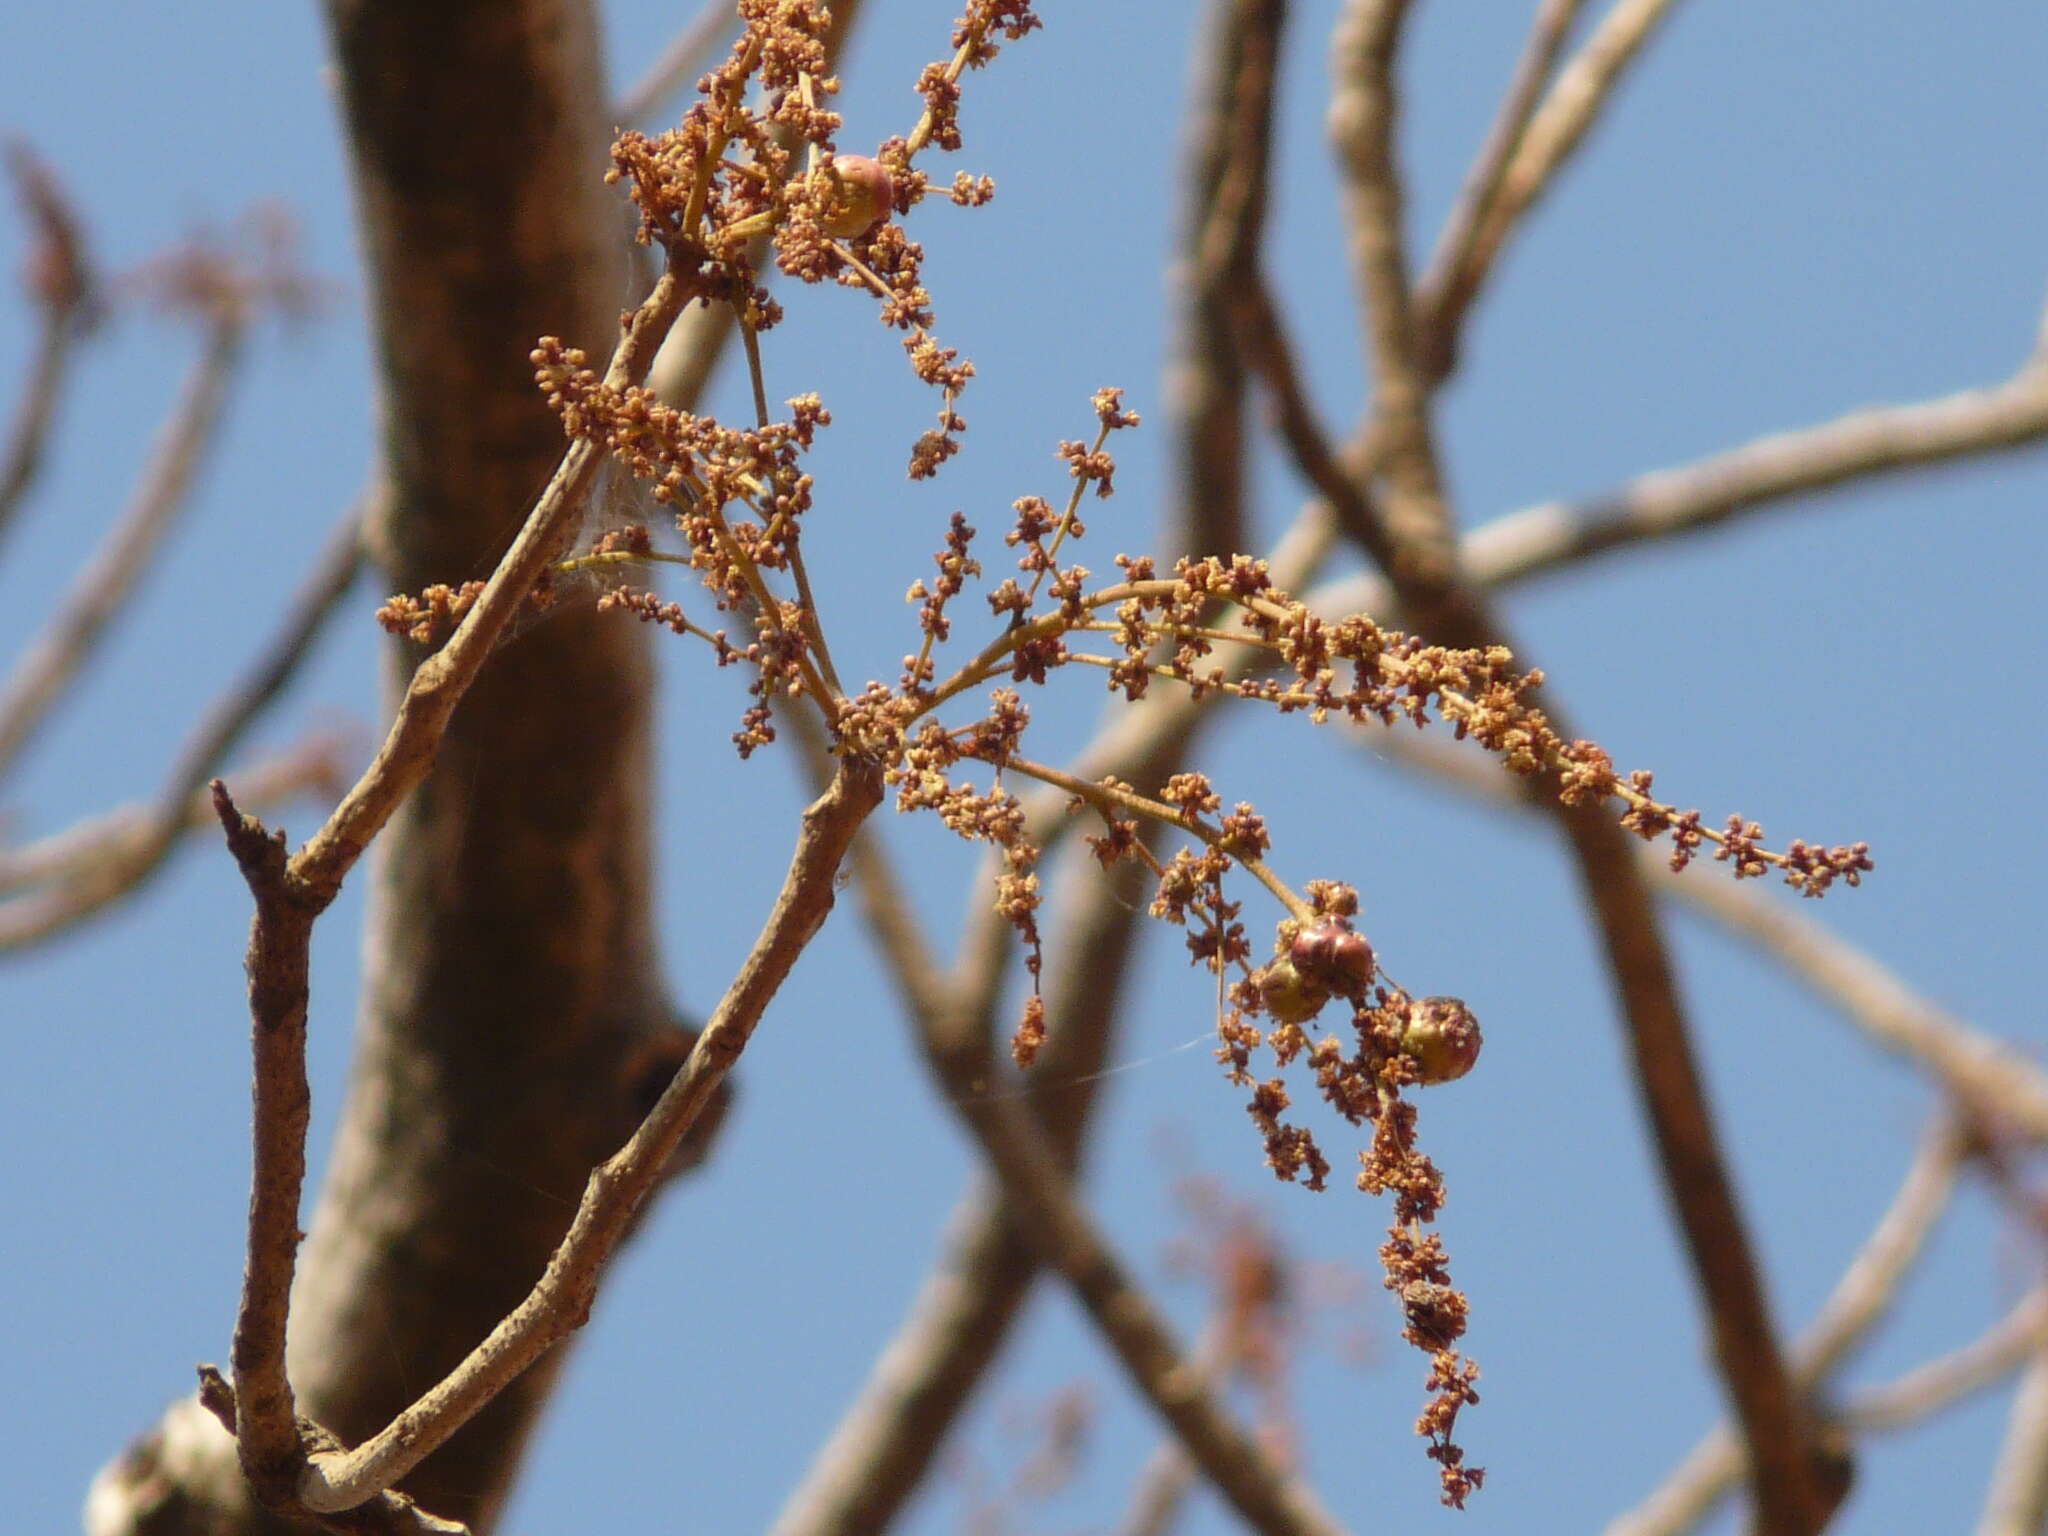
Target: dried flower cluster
x,y
730,175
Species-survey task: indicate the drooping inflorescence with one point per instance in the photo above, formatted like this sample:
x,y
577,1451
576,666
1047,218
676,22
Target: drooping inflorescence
x,y
754,165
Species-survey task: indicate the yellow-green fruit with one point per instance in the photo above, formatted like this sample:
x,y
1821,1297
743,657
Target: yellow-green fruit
x,y
862,195
1290,996
1442,1039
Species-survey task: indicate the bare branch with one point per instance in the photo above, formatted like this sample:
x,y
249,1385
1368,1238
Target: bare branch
x,y
1570,108
1985,1361
1998,1084
116,839
125,553
1419,535
61,281
266,1421
1695,497
1228,161
1426,576
2017,1503
1451,281
1861,1298
560,1301
1038,1190
1264,341
442,679
93,865
678,66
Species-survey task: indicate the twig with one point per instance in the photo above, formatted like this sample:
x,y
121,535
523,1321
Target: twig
x,y
95,864
1039,1192
442,679
78,873
128,548
61,280
2017,1502
1228,161
1167,1476
1419,538
679,64
1569,109
1861,1298
1449,283
1997,1083
560,1300
1264,341
1695,497
266,1425
1927,1389
291,893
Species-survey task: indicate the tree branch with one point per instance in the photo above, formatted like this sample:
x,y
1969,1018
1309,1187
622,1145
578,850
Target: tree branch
x,y
1452,279
93,866
1426,576
103,587
2017,1503
1861,1298
560,1300
61,282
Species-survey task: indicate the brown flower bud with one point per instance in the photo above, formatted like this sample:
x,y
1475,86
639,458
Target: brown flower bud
x,y
861,195
1441,1038
1335,954
1290,996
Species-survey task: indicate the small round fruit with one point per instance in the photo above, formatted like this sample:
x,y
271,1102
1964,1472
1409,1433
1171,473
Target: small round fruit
x,y
1290,996
1335,954
862,194
1442,1039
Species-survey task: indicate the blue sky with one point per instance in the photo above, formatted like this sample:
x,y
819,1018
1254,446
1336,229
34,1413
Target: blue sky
x,y
1792,211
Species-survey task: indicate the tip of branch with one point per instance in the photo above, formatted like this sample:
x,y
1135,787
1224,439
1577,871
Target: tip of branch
x,y
258,851
216,1396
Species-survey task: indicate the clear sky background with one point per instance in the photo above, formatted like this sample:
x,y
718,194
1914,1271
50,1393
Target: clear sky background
x,y
1792,210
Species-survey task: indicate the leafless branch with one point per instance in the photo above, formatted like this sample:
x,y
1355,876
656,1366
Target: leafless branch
x,y
1696,497
678,65
1927,1389
442,679
1229,151
290,893
1862,1297
1419,537
119,837
1426,576
1040,1193
1568,111
1999,1087
90,866
1998,1084
125,553
60,279
1448,286
2017,1503
1264,341
560,1301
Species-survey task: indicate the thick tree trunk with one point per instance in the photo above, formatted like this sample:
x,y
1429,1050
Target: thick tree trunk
x,y
512,1013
